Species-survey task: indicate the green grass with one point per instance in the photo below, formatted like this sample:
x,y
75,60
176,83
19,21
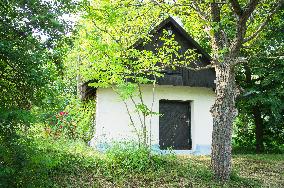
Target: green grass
x,y
61,163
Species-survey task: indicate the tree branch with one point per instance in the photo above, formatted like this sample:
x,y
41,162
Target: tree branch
x,y
200,13
217,42
236,7
194,5
249,9
210,66
241,27
263,24
239,60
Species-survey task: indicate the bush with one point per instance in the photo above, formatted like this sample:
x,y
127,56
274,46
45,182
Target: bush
x,y
129,158
60,124
244,140
76,121
49,162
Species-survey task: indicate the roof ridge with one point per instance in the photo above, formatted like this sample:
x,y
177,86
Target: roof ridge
x,y
181,30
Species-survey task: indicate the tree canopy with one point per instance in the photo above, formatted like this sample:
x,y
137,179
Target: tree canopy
x,y
33,40
261,106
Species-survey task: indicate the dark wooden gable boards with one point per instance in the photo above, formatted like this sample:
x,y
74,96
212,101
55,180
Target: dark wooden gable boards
x,y
180,76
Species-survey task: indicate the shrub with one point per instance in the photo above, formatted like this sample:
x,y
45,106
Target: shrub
x,y
127,158
74,122
61,124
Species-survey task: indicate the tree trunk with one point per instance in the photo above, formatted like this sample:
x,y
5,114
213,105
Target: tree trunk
x,y
223,112
258,121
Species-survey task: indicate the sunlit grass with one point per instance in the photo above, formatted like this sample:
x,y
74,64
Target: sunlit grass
x,y
71,163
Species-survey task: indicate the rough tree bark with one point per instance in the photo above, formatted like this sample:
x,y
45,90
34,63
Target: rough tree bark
x,y
223,112
225,53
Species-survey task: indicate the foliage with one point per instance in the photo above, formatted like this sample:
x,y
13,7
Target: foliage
x,y
74,123
105,52
244,134
34,39
129,158
83,113
46,158
70,163
61,123
262,81
32,47
33,42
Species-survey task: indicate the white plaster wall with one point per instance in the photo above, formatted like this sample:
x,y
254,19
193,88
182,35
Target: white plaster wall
x,y
113,124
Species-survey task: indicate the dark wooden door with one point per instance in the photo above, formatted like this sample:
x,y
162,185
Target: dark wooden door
x,y
174,125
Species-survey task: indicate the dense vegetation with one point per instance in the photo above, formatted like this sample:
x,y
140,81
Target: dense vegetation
x,y
63,163
45,126
260,122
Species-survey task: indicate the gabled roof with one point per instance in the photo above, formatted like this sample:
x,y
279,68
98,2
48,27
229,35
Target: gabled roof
x,y
180,77
181,30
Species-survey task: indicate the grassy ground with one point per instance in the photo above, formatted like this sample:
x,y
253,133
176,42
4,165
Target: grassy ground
x,y
267,169
57,163
248,171
182,171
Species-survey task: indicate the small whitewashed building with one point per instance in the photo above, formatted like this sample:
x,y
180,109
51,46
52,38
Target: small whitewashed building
x,y
183,96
